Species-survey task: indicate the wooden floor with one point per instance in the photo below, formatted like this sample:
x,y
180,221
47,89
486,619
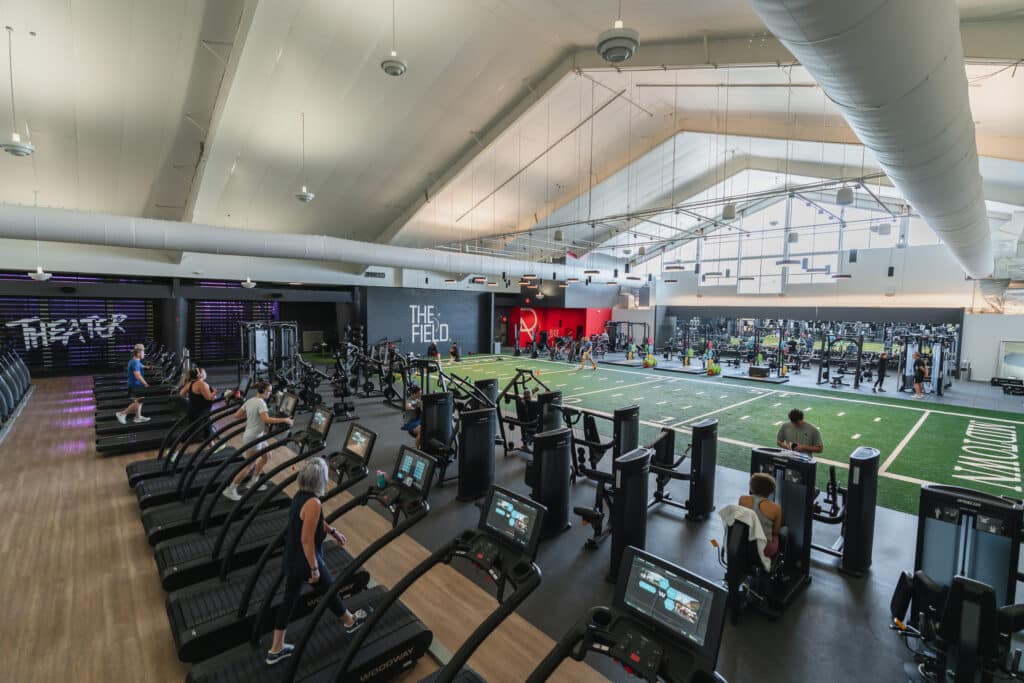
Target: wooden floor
x,y
79,591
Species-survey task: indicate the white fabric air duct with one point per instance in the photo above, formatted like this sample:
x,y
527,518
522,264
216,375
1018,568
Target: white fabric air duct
x,y
61,225
895,69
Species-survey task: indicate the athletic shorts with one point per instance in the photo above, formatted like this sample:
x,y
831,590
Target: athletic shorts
x,y
919,378
133,393
411,425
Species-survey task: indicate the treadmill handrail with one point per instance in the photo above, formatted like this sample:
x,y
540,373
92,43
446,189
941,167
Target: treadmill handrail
x,y
227,462
185,436
354,476
198,457
390,598
192,468
237,508
354,565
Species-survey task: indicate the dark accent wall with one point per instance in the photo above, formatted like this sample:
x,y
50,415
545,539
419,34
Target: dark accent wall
x,y
443,316
312,316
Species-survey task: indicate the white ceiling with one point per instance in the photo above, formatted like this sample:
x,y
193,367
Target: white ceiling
x,y
123,95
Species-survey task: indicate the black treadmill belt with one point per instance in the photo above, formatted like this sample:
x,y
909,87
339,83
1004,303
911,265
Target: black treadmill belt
x,y
196,546
173,519
169,484
397,641
115,428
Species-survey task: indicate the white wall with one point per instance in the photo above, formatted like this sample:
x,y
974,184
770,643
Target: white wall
x,y
636,315
982,336
924,277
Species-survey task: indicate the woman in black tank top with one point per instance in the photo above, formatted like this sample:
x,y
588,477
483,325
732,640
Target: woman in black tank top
x,y
200,399
303,560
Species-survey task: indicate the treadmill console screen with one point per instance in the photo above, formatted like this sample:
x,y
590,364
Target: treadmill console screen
x,y
286,406
414,470
321,422
359,441
513,519
674,601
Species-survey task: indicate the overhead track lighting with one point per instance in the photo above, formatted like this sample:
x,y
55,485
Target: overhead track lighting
x,y
15,146
788,262
618,43
492,283
479,280
713,273
674,266
563,285
745,278
530,276
449,281
670,281
304,195
393,65
591,271
572,279
841,276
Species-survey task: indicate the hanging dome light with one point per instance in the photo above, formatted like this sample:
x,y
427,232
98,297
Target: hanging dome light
x,y
618,43
393,65
15,146
304,195
39,275
248,283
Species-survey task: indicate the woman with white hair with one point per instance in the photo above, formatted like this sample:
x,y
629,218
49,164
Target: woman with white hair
x,y
304,559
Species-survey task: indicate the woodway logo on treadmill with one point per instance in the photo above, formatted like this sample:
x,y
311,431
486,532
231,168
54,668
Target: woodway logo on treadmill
x,y
384,666
990,456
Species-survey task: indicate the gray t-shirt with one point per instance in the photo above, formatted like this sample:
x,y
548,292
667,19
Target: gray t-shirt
x,y
253,423
805,435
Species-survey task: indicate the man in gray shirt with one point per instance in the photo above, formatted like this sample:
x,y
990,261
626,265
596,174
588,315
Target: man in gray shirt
x,y
799,436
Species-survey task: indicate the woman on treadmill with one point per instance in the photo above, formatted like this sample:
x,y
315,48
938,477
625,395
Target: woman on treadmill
x,y
200,399
762,486
303,560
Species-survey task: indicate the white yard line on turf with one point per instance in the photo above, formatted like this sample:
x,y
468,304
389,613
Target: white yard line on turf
x,y
729,407
615,388
820,396
902,444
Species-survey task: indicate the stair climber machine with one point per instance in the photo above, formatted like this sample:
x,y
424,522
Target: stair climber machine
x,y
214,616
200,555
503,547
703,454
173,451
197,479
665,624
387,646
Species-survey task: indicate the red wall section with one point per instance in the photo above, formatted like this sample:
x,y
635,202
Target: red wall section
x,y
596,318
556,321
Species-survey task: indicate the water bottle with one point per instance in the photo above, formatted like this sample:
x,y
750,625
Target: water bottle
x,y
382,479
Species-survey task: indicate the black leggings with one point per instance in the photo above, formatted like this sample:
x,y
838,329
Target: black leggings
x,y
880,380
293,588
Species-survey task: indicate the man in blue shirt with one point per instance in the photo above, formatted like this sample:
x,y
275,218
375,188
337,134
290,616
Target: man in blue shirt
x,y
586,352
135,382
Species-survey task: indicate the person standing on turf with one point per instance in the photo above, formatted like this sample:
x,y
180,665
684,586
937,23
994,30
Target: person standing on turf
x,y
883,365
920,372
798,435
585,355
135,382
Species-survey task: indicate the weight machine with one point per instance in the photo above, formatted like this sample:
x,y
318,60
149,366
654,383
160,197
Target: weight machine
x,y
828,342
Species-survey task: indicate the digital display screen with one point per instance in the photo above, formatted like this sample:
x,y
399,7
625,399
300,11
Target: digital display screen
x,y
512,519
414,469
674,602
320,422
288,403
358,442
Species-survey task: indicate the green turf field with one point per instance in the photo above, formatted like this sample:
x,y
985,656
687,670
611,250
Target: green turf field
x,y
919,442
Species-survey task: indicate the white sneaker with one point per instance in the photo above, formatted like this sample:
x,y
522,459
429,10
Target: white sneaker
x,y
121,417
140,419
231,493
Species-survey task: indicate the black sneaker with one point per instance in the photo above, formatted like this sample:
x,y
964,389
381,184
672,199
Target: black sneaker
x,y
284,653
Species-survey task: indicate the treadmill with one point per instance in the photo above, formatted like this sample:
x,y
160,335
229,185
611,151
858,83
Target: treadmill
x,y
129,438
173,453
665,624
213,615
203,626
197,479
393,645
202,554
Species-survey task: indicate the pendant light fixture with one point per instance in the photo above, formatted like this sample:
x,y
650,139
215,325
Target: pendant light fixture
x,y
16,146
304,195
393,65
248,283
39,275
618,43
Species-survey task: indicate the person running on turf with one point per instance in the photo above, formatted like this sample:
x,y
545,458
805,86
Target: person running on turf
x,y
257,417
798,435
135,382
586,355
883,365
303,560
920,372
413,413
762,486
